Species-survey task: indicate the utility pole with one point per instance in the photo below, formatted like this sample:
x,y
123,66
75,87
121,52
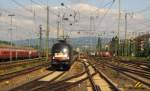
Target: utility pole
x,y
91,29
29,45
99,46
119,16
47,35
61,24
126,28
118,33
125,48
62,21
11,15
40,40
58,23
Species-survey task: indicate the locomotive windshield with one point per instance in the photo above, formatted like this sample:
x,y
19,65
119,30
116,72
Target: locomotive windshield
x,y
60,48
61,51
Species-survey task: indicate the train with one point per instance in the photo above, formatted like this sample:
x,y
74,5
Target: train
x,y
17,53
106,54
61,55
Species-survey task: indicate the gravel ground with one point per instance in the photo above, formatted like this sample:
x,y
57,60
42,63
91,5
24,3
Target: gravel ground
x,y
76,68
22,79
124,83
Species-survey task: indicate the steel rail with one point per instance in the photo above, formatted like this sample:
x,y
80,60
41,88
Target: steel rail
x,y
20,61
67,86
33,82
126,71
34,86
109,81
131,76
94,86
141,73
21,72
54,86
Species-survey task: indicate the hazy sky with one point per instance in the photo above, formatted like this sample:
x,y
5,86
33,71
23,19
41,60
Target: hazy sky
x,y
129,5
26,25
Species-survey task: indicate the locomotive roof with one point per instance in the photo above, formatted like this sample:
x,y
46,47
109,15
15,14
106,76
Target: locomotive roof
x,y
62,41
61,45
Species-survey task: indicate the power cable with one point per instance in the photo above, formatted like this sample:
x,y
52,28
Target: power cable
x,y
37,3
19,4
143,10
99,23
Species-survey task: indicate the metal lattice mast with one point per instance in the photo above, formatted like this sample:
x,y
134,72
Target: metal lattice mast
x,y
47,35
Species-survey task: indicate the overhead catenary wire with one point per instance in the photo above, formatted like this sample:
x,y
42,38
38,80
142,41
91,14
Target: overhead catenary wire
x,y
142,10
39,5
102,18
10,11
23,7
16,13
139,12
101,1
32,11
143,24
29,10
111,2
19,4
44,7
41,1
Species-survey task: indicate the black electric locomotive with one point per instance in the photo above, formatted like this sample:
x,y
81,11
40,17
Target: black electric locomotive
x,y
61,55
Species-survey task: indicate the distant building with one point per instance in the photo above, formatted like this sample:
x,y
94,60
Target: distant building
x,y
142,45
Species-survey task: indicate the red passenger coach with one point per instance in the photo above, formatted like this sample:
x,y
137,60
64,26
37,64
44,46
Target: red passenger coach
x,y
17,53
104,54
33,53
4,53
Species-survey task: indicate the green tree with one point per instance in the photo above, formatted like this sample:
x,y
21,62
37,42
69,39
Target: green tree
x,y
99,44
114,45
146,51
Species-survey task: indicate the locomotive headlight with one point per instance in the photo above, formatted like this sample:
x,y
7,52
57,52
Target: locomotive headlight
x,y
53,57
67,57
64,50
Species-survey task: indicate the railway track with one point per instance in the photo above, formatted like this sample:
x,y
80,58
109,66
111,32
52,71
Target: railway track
x,y
7,68
140,68
91,70
131,70
90,77
19,62
67,83
87,74
53,82
61,81
134,74
138,63
113,86
21,72
136,69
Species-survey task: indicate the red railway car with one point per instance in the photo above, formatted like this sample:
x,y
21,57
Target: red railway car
x,y
17,53
104,54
